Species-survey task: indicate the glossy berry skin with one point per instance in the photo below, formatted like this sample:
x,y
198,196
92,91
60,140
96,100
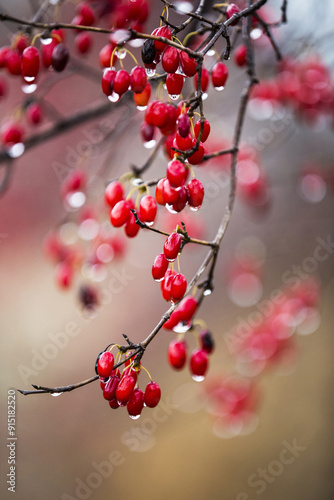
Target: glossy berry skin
x,y
179,287
199,362
188,64
34,113
196,157
114,193
105,55
205,78
136,403
159,267
230,10
195,193
160,114
113,403
109,390
64,275
165,32
83,42
176,173
170,59
108,79
166,285
125,389
219,75
148,52
147,132
187,308
177,354
152,395
240,56
169,194
11,133
172,246
181,202
143,98
205,132
105,364
148,208
60,57
30,62
121,82
159,192
183,143
138,79
174,83
183,125
13,62
207,341
120,213
131,227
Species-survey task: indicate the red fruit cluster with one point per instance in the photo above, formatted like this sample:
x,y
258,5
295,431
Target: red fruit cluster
x,y
199,359
121,389
116,83
121,214
129,14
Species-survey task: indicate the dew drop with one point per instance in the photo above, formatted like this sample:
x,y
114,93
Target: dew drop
x,y
219,89
29,88
194,209
207,292
134,417
170,209
150,71
29,79
150,144
16,150
141,108
204,96
76,199
46,41
182,327
136,42
55,394
256,33
158,281
120,53
149,224
211,53
136,181
198,378
174,97
114,97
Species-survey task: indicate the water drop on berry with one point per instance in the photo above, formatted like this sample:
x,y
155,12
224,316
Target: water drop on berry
x,y
170,209
150,71
113,97
134,417
198,378
55,394
120,53
16,150
150,144
75,199
174,97
29,79
204,96
207,292
255,33
182,327
141,108
211,53
219,89
194,209
29,89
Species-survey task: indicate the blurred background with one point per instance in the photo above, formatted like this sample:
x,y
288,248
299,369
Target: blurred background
x,y
75,446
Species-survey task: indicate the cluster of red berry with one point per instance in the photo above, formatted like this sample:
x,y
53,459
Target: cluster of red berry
x,y
121,389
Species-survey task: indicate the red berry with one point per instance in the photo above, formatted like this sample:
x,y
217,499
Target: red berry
x,y
108,79
188,64
120,213
166,284
136,403
4,52
131,227
177,354
240,55
196,157
30,62
230,10
105,364
13,62
105,55
207,342
138,79
152,395
174,83
147,132
109,390
125,389
183,125
64,274
86,12
46,52
170,195
165,32
179,287
176,173
170,59
187,308
183,143
195,193
205,131
114,193
199,363
172,321
20,42
34,113
159,267
160,114
181,202
205,77
159,192
121,82
11,133
113,403
83,42
219,75
148,209
172,246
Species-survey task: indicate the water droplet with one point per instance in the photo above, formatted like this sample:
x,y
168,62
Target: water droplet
x,y
194,209
211,53
141,108
150,144
182,327
219,89
198,378
120,53
76,199
16,150
170,209
29,79
134,417
174,97
183,7
113,97
150,71
46,41
207,292
55,394
158,281
204,96
29,89
136,181
256,33
149,224
136,42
